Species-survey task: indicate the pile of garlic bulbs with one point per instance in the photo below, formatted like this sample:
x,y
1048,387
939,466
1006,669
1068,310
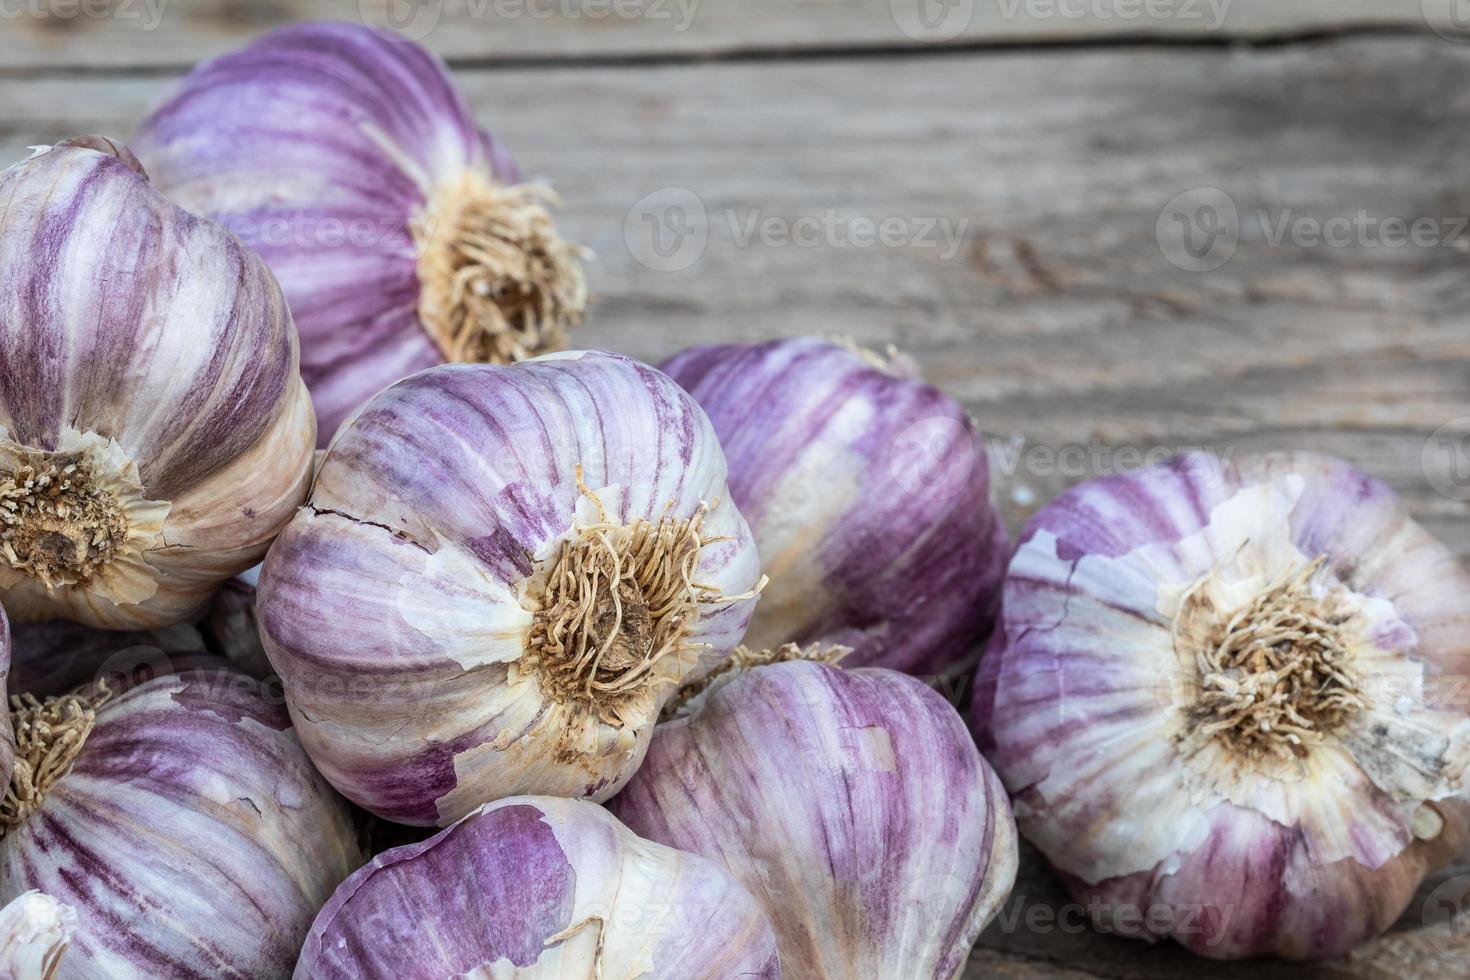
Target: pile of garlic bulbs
x,y
638,669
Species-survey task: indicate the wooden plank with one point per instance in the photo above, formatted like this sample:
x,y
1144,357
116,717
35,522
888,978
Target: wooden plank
x,y
92,34
1050,307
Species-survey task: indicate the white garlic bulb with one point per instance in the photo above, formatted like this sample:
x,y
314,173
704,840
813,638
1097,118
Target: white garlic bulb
x,y
154,431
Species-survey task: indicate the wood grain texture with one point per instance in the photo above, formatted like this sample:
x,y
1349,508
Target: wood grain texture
x,y
1049,305
149,34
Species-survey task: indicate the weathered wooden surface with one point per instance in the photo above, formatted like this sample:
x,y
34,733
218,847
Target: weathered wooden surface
x,y
1048,303
154,34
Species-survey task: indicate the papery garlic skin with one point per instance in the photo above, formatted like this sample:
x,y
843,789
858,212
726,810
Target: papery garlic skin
x,y
401,605
35,931
1126,702
539,888
854,806
191,835
399,230
154,431
868,493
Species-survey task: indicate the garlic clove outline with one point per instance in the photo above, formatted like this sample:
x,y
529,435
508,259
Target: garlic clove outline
x,y
441,612
868,492
852,803
402,233
155,433
539,888
1225,694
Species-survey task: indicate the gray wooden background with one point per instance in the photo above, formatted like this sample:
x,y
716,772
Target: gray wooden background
x,y
1113,228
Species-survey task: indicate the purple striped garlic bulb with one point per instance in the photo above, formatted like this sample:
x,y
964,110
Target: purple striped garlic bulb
x,y
35,931
182,822
154,432
401,232
852,803
501,576
1227,696
539,888
868,493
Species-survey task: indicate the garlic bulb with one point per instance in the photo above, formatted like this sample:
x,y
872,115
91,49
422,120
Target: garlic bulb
x,y
854,806
35,931
400,231
868,494
501,576
538,888
181,820
154,432
1226,697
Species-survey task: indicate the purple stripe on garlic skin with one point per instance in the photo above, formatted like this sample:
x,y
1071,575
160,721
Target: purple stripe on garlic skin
x,y
868,493
192,836
153,351
1130,702
538,888
399,606
854,806
331,147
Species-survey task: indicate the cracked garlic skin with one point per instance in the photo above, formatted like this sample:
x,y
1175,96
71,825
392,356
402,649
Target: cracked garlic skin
x,y
1226,697
868,492
154,432
401,232
182,822
539,888
852,803
502,575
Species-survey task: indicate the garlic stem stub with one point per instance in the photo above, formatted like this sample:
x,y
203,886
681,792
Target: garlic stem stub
x,y
154,432
402,233
182,822
868,492
539,888
35,931
501,576
852,803
1226,696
